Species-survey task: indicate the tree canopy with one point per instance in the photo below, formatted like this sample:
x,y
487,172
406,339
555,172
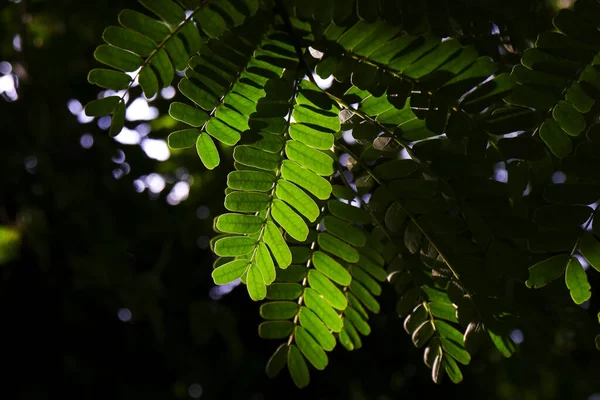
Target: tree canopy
x,y
267,198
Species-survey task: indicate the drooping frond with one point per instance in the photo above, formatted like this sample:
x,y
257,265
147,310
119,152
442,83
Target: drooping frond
x,y
149,50
443,149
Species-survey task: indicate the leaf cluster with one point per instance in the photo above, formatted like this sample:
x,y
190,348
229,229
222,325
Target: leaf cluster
x,y
426,163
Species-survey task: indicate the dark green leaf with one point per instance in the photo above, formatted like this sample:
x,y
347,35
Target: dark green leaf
x,y
570,120
284,291
556,139
183,139
577,282
109,79
310,348
278,310
590,250
117,58
317,329
297,367
321,284
277,361
275,329
104,106
117,120
232,246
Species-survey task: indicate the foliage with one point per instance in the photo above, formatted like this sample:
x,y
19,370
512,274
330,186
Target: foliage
x,y
318,219
425,163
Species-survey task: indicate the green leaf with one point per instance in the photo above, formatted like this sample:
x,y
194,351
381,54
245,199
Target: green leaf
x,y
444,311
297,367
310,348
222,132
364,296
202,98
437,372
166,10
104,106
357,305
255,283
118,120
452,370
422,334
207,151
488,93
556,139
357,321
279,248
345,231
433,349
317,328
304,178
256,158
284,291
503,343
327,289
510,119
473,336
149,27
546,271
298,199
293,224
250,180
233,246
580,99
415,319
570,120
456,351
433,60
129,40
148,81
300,254
313,159
345,340
323,310
117,58
293,273
577,281
278,310
211,22
590,250
109,79
247,201
347,212
239,223
374,269
277,361
265,263
311,136
183,139
165,73
331,268
230,272
448,331
338,248
187,114
275,329
315,116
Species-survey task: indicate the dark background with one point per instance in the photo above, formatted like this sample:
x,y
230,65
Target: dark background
x,y
94,251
